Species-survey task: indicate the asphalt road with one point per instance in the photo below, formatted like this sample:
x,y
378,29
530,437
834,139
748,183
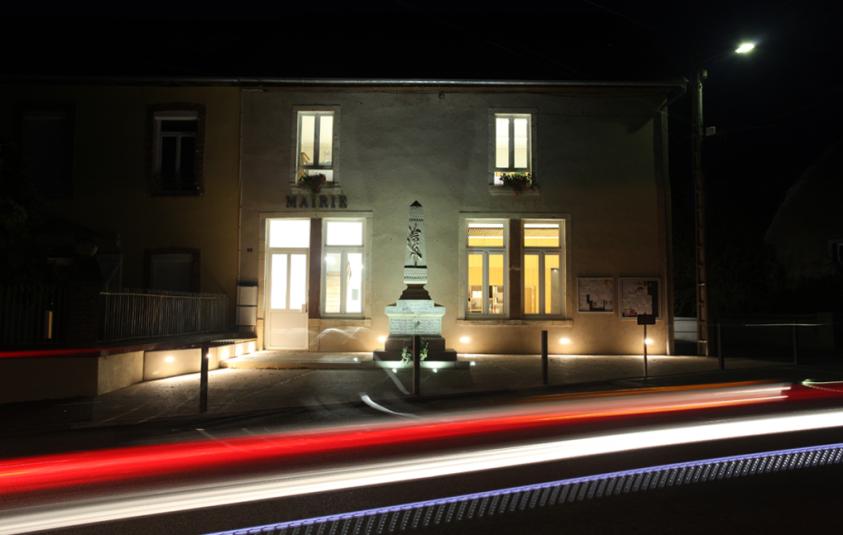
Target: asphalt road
x,y
763,504
768,503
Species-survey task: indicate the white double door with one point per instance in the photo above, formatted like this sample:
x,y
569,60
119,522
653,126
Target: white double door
x,y
286,319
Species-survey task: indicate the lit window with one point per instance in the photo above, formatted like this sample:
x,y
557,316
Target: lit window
x,y
315,147
289,233
544,276
513,146
177,151
343,267
486,268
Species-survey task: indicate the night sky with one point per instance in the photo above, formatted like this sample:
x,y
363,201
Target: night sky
x,y
776,111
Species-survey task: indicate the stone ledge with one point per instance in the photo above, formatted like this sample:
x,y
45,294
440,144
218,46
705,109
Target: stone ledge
x,y
518,322
332,189
340,322
506,191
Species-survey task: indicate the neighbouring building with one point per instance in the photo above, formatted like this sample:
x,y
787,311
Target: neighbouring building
x,y
807,230
137,180
546,208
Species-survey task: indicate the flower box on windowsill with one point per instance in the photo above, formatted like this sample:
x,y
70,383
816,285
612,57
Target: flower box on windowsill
x,y
314,185
515,184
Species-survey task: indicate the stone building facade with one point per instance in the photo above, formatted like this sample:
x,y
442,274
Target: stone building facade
x,y
546,208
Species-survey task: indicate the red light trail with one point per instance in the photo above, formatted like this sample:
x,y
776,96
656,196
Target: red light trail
x,y
56,471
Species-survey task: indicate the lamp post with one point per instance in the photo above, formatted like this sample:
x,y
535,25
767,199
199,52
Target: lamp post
x,y
697,135
699,211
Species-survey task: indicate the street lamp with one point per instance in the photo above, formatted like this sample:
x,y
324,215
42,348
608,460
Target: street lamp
x,y
697,134
745,47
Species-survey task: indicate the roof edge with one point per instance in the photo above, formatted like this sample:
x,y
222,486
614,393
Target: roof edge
x,y
678,83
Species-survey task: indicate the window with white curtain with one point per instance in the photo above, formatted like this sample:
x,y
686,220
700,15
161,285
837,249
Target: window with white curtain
x,y
315,144
513,145
343,265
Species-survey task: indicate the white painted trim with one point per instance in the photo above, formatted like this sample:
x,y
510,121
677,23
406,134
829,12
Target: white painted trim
x,y
542,251
343,250
295,144
463,265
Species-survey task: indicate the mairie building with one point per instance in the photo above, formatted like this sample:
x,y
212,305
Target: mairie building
x,y
546,206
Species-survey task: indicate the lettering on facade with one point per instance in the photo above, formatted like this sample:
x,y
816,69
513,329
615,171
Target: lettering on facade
x,y
317,201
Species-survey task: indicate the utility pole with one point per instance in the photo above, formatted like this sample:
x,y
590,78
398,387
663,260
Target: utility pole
x,y
697,134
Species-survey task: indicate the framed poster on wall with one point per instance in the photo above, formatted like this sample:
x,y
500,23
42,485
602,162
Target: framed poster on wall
x,y
638,296
596,294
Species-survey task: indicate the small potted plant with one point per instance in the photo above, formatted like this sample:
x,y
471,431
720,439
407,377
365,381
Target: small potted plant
x,y
518,182
312,182
315,181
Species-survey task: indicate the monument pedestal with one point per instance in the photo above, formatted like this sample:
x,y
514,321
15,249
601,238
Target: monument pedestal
x,y
436,350
412,317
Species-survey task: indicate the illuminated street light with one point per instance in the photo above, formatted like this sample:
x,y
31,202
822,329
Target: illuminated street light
x,y
745,47
697,135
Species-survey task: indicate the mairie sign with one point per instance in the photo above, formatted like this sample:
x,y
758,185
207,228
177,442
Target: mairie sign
x,y
317,201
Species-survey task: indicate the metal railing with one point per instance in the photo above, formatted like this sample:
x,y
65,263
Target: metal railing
x,y
30,313
151,313
785,339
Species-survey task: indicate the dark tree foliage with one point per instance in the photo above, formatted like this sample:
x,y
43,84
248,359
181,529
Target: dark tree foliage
x,y
22,258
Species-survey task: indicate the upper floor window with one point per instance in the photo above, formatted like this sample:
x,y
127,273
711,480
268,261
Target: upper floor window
x,y
513,145
315,145
343,273
543,267
486,267
177,151
46,140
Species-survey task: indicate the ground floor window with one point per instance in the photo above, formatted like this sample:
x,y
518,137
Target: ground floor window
x,y
542,268
486,267
343,267
514,268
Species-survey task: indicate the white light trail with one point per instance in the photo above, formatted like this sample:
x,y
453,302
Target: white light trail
x,y
420,467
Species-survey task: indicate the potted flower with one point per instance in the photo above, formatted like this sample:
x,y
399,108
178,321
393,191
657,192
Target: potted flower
x,y
518,181
312,182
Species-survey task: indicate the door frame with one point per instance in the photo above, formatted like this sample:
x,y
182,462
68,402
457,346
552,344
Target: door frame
x,y
267,280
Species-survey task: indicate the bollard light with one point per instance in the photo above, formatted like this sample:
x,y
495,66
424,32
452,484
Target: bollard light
x,y
465,339
381,339
565,341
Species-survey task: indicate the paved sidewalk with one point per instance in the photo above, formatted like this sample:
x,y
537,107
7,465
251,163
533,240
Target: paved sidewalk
x,y
322,382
